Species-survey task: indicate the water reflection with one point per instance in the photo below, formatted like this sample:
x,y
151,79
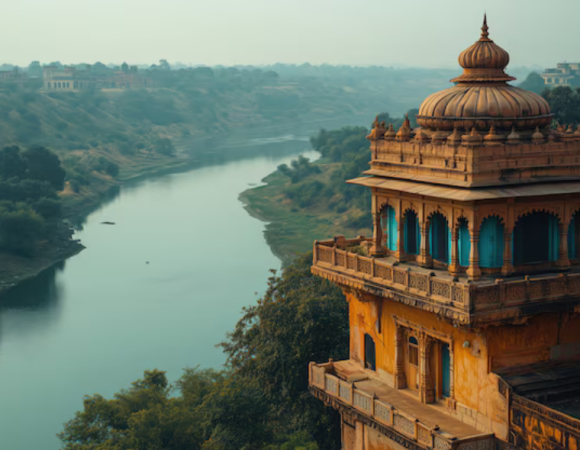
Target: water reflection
x,y
35,294
32,308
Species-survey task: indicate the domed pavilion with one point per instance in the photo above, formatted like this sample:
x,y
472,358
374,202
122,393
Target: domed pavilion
x,y
464,309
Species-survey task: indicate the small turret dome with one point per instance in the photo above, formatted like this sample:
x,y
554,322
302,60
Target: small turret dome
x,y
482,98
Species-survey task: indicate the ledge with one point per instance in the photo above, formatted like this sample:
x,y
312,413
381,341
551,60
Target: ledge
x,y
408,422
487,300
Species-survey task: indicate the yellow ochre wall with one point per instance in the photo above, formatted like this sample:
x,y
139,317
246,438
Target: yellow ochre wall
x,y
542,337
478,401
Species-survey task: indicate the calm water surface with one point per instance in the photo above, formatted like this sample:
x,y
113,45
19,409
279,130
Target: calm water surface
x,y
157,290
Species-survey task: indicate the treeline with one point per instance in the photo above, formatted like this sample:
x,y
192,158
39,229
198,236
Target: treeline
x,y
30,209
260,401
321,186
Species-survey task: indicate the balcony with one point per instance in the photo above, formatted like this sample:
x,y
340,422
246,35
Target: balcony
x,y
395,414
464,302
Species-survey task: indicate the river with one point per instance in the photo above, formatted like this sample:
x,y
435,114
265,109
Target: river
x,y
159,289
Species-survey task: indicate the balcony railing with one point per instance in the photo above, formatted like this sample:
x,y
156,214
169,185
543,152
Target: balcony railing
x,y
460,300
387,415
441,290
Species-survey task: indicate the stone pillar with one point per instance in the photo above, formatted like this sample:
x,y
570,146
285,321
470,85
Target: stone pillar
x,y
426,389
400,253
508,267
455,268
451,400
563,260
400,378
425,259
377,248
474,271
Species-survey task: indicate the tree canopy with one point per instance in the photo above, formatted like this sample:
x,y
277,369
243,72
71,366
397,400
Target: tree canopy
x,y
259,402
565,104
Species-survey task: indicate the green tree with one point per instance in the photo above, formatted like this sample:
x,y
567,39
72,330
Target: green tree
x,y
11,163
301,318
43,165
564,103
20,228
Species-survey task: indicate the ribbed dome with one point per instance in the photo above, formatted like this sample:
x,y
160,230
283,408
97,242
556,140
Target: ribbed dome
x,y
481,105
484,54
482,97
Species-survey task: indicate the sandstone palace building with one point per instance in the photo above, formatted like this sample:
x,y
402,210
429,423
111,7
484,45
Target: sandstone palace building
x,y
464,306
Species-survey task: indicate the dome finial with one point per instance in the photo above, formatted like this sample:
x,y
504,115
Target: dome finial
x,y
484,28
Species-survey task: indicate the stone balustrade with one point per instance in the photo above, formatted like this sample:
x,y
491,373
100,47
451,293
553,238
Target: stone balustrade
x,y
384,414
485,300
443,291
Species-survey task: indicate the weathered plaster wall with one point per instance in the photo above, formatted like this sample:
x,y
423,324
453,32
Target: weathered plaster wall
x,y
373,440
478,401
539,339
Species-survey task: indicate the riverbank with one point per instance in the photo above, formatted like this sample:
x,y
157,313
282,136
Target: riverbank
x,y
291,230
15,269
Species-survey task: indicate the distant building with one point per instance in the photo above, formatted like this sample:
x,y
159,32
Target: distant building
x,y
464,308
565,74
80,77
67,78
13,74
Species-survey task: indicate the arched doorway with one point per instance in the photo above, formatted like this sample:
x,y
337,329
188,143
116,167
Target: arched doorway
x,y
439,238
390,226
370,353
412,362
491,243
464,242
536,239
412,233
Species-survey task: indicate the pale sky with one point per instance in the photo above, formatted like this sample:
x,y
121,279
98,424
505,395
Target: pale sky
x,y
426,33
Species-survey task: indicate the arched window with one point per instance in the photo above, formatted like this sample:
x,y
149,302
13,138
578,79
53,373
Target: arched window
x,y
412,233
390,227
48,85
464,244
439,239
536,239
413,351
370,352
491,243
76,85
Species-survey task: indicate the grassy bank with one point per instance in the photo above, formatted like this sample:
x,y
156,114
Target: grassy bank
x,y
290,229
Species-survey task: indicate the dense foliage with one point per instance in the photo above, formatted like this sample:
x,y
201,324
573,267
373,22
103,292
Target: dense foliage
x,y
345,155
259,402
565,104
30,210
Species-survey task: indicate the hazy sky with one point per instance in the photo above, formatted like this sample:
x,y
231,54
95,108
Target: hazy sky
x,y
358,32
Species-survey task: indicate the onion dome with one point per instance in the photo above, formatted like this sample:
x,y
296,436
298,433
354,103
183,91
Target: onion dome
x,y
513,137
378,130
390,134
482,97
537,137
492,138
404,133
